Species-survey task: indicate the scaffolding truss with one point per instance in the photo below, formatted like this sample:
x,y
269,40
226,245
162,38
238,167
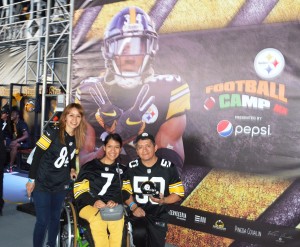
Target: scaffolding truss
x,y
44,28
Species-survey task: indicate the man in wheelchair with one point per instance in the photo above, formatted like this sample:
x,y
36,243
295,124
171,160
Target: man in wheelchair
x,y
98,189
149,184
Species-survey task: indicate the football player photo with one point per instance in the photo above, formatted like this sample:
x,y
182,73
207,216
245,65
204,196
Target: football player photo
x,y
129,97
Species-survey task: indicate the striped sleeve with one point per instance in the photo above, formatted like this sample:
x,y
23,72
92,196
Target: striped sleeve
x,y
179,101
127,186
42,145
177,188
44,142
81,187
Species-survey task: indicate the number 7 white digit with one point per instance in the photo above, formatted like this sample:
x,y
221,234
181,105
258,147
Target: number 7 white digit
x,y
109,177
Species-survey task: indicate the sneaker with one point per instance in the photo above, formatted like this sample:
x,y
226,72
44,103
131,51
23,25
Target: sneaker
x,y
7,168
10,168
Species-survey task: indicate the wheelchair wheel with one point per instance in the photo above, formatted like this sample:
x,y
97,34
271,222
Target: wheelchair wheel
x,y
128,235
68,227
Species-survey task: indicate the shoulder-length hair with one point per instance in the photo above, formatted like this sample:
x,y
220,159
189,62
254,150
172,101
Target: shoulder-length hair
x,y
79,131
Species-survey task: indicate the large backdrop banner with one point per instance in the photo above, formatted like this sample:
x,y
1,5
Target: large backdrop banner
x,y
217,83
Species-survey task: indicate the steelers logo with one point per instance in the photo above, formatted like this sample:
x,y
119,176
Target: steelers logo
x,y
147,187
151,115
269,63
30,106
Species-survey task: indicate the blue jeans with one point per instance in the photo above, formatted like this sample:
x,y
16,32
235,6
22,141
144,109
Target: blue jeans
x,y
48,209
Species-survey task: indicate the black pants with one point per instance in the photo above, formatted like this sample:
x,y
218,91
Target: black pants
x,y
148,232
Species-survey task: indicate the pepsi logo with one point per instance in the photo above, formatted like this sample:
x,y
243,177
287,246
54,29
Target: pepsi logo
x,y
224,128
209,103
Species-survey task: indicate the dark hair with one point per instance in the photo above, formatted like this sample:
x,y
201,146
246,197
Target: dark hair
x,y
16,111
116,137
145,136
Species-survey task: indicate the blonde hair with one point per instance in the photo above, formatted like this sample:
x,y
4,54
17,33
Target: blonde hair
x,y
79,131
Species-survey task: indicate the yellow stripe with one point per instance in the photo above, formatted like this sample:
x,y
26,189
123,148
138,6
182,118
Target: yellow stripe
x,y
178,106
46,138
44,142
132,14
127,186
41,146
284,11
180,89
177,188
193,15
175,185
81,187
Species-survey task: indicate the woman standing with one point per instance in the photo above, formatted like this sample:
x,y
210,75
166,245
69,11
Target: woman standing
x,y
52,166
98,186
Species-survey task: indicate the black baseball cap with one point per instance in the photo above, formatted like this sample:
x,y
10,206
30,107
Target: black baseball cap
x,y
145,136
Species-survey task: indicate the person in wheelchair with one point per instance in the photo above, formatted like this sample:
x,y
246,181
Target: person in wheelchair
x,y
98,186
149,185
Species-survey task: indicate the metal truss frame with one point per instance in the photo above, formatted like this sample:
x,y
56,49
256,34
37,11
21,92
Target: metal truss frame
x,y
45,30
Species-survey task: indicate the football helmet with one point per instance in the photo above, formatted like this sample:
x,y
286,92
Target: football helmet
x,y
30,105
149,188
129,44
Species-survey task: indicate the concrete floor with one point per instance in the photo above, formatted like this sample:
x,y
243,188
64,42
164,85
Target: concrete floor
x,y
17,226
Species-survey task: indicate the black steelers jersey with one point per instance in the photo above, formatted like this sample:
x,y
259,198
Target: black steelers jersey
x,y
21,127
163,174
51,163
172,98
98,181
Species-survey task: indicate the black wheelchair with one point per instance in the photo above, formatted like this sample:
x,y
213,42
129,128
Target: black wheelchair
x,y
75,232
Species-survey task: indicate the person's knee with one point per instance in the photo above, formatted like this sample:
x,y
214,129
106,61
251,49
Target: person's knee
x,y
13,150
89,213
14,144
55,216
139,233
42,221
